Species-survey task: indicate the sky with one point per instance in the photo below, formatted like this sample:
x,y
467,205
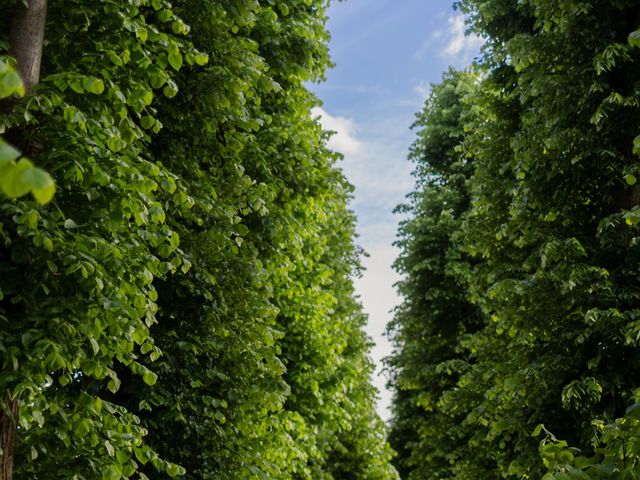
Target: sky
x,y
387,53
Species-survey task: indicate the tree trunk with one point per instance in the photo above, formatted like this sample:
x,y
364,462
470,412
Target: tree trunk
x,y
8,423
27,39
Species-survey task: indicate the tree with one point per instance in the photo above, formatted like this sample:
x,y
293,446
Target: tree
x,y
150,314
430,326
550,233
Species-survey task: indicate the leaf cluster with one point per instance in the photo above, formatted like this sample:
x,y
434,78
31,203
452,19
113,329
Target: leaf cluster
x,y
520,297
184,305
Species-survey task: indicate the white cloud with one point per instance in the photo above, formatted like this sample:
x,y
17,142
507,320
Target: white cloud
x,y
460,46
423,89
379,297
451,44
344,139
425,48
375,162
382,176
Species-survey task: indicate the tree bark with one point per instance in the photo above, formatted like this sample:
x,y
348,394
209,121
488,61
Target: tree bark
x,y
26,39
8,423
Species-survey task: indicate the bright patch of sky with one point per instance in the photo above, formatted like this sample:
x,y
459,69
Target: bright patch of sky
x,y
387,53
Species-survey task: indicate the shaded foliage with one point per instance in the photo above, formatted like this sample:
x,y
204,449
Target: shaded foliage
x,y
550,249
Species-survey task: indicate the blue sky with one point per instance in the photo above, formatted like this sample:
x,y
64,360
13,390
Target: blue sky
x,y
387,53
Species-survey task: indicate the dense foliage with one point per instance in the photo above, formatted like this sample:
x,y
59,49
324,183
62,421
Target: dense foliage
x,y
184,305
517,349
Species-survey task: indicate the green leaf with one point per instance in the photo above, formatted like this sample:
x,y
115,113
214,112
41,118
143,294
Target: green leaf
x,y
128,135
175,470
150,378
115,143
147,121
634,38
26,338
202,58
82,427
95,346
122,457
76,85
114,384
175,57
40,183
537,430
158,79
630,179
141,334
38,417
115,58
45,195
10,81
7,152
69,224
146,347
142,454
142,34
10,179
36,178
170,90
111,473
110,450
93,85
30,219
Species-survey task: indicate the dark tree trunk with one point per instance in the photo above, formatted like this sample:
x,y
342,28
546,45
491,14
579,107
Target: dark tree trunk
x,y
8,423
27,39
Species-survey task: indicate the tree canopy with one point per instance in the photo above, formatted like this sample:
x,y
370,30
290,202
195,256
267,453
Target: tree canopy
x,y
182,305
516,343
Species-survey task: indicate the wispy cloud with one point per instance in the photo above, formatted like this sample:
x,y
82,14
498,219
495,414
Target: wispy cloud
x,y
381,174
423,89
375,161
427,45
451,44
460,46
379,297
344,139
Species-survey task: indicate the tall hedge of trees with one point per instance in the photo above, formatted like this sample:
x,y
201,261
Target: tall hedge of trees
x,y
517,351
179,302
